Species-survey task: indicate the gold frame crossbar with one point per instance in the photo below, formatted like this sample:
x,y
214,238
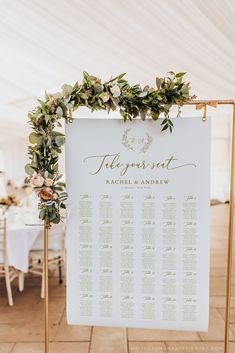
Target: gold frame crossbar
x,y
203,103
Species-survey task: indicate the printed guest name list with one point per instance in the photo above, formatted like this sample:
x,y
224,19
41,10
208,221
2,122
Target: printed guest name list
x,y
138,226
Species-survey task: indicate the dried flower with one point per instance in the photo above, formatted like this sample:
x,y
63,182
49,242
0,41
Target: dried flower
x,y
46,194
48,181
8,201
104,96
115,91
37,180
55,196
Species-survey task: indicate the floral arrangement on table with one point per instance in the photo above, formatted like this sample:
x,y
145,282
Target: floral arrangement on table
x,y
115,94
7,202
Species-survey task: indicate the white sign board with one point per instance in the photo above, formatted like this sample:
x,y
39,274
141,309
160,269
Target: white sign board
x,y
138,229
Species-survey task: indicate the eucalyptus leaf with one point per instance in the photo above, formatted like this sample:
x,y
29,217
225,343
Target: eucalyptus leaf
x,y
59,112
34,138
158,82
57,95
52,216
143,94
83,95
180,74
47,118
60,140
117,78
154,115
98,88
29,170
104,96
143,114
56,220
42,214
67,89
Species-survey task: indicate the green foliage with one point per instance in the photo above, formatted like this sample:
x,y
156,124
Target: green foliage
x,y
115,94
29,170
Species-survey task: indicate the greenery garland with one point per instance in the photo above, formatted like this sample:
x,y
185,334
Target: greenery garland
x,y
115,94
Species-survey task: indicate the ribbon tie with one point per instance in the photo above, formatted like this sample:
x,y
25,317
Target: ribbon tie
x,y
204,105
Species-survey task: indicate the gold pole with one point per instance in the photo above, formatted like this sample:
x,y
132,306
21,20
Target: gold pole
x,y
45,270
230,240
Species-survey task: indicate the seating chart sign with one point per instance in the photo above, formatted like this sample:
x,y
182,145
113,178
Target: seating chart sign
x,y
139,223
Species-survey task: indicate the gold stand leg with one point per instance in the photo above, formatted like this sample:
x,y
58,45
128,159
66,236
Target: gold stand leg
x,y
230,241
45,269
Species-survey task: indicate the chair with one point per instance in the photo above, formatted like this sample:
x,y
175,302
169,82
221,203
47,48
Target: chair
x,y
56,254
9,272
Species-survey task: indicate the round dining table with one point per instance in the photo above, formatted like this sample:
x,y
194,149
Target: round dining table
x,y
25,233
20,241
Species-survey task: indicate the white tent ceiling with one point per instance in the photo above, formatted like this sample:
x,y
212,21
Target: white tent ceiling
x,y
47,43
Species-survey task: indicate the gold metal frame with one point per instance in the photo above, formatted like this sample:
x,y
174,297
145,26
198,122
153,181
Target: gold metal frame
x,y
231,216
205,103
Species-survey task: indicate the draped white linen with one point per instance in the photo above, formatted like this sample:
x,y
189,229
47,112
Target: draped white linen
x,y
47,43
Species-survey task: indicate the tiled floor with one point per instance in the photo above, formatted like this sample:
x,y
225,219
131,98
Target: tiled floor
x,y
21,326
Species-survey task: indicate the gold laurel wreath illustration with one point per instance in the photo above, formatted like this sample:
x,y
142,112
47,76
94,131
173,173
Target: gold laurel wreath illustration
x,y
127,145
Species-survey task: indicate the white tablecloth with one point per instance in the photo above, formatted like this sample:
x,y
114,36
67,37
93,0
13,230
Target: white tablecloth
x,y
20,240
23,238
